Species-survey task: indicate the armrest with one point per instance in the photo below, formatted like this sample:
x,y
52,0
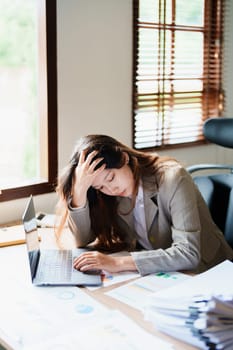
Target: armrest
x,y
198,167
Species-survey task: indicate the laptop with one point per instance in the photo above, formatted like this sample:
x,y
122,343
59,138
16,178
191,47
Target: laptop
x,y
52,266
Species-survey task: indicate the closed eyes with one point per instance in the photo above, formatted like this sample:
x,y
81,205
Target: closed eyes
x,y
109,178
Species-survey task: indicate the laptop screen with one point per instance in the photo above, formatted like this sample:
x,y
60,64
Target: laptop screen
x,y
31,235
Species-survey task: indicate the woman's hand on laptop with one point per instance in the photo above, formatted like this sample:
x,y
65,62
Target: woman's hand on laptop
x,y
96,260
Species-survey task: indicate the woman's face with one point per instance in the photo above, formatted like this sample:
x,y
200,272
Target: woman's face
x,y
115,182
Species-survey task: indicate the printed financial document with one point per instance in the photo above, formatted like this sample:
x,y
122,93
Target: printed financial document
x,y
136,293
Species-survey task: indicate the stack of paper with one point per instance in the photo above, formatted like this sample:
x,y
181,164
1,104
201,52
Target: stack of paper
x,y
206,322
199,310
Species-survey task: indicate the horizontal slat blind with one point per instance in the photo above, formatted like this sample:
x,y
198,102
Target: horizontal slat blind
x,y
177,70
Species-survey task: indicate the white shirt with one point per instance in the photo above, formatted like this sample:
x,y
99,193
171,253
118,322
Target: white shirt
x,y
140,221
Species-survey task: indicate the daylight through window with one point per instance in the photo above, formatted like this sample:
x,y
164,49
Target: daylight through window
x,y
177,70
26,144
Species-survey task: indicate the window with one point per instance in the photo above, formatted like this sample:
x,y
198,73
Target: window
x,y
177,70
28,98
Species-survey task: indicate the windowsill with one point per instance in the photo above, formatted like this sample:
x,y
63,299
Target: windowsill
x,y
11,235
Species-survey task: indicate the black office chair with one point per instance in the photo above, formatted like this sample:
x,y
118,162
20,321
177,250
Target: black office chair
x,y
217,188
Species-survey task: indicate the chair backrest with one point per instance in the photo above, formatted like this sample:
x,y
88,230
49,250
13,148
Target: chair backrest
x,y
217,189
228,232
221,205
219,131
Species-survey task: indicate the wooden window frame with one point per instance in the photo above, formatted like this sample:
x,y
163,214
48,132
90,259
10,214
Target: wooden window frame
x,y
47,12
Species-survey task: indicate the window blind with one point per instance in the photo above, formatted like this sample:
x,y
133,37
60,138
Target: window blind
x,y
177,70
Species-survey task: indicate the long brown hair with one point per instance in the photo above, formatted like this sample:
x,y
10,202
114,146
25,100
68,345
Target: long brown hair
x,y
103,208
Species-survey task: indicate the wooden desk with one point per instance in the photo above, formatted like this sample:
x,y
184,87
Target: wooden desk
x,y
48,241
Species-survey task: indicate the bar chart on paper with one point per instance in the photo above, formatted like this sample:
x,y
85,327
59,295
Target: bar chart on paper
x,y
135,293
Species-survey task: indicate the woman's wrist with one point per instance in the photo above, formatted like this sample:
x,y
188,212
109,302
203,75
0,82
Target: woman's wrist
x,y
78,199
126,263
74,203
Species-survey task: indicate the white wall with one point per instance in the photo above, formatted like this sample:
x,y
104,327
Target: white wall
x,y
94,85
95,71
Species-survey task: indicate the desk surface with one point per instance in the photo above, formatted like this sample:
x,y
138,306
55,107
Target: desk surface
x,y
8,258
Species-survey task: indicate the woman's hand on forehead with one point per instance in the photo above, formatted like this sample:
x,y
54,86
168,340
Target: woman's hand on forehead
x,y
86,172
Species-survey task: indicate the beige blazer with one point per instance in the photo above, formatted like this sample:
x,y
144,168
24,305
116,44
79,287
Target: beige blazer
x,y
179,226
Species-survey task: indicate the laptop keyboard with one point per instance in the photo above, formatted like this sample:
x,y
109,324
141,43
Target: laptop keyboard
x,y
55,266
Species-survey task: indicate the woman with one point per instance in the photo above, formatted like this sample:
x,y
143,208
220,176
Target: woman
x,y
118,198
